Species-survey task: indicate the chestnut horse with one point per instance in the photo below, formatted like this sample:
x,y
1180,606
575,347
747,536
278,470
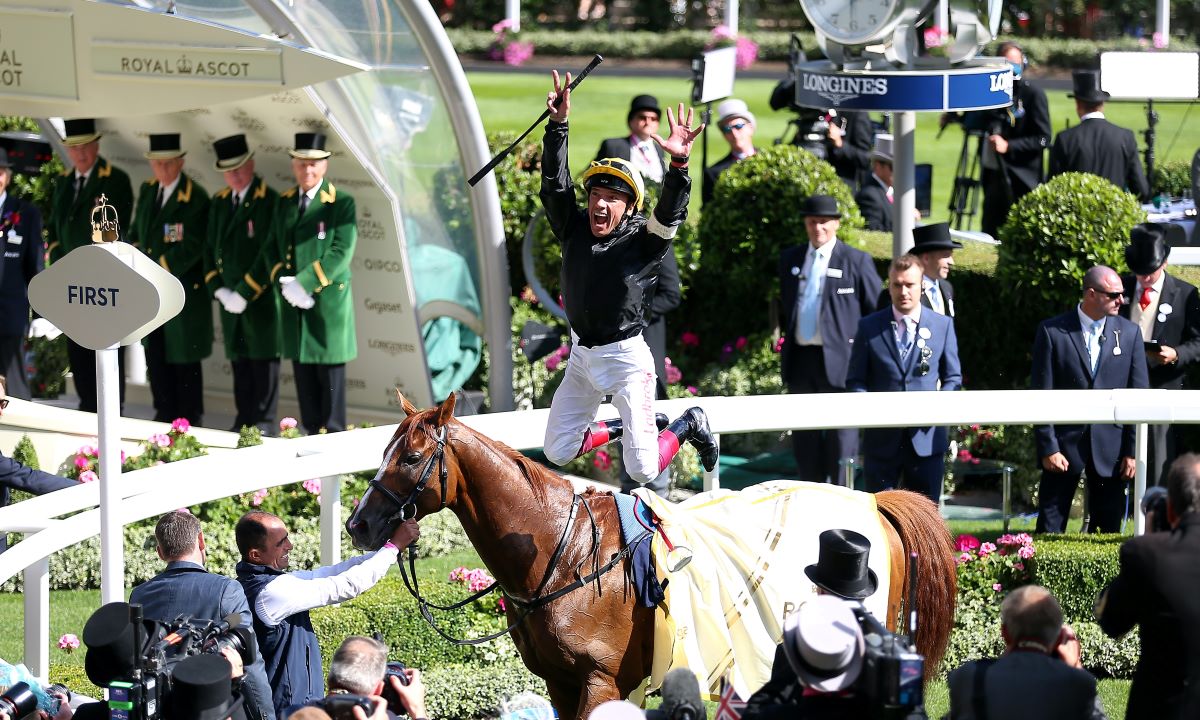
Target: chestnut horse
x,y
594,643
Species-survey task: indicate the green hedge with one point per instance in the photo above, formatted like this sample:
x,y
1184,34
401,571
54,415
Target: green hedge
x,y
1076,567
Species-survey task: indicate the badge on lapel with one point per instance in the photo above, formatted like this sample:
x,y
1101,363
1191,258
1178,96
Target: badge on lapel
x,y
926,354
1164,309
321,230
173,232
14,238
795,271
249,228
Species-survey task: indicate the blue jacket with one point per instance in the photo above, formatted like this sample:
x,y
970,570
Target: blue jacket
x,y
186,588
1060,362
15,476
875,366
289,650
24,250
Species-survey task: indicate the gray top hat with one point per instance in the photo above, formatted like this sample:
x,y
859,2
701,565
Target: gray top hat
x,y
824,644
883,148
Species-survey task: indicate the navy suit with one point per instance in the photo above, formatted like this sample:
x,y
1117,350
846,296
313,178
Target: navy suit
x,y
186,588
15,476
915,454
1060,362
850,291
24,250
873,203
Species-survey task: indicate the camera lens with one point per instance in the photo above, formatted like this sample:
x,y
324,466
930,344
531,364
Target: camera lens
x,y
18,701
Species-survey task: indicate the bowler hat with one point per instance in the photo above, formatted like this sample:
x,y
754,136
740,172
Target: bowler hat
x,y
165,146
108,635
644,102
820,206
841,566
310,146
79,132
1087,86
1147,249
232,152
823,643
883,148
203,689
734,108
935,236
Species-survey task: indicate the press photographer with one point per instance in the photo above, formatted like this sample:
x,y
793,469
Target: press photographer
x,y
842,138
361,676
28,699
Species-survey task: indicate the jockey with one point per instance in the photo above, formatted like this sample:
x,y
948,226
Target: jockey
x,y
612,254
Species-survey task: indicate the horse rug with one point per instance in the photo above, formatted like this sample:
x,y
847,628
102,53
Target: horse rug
x,y
724,612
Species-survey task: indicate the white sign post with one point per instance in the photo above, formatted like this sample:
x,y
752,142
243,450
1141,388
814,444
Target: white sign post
x,y
104,296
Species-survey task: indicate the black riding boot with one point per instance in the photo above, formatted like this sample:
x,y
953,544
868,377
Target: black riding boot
x,y
692,427
602,433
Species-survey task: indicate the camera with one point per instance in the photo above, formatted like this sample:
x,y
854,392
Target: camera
x,y
25,695
395,669
134,657
340,706
19,701
1154,507
892,678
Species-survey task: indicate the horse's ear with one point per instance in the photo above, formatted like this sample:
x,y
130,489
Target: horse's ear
x,y
445,411
405,405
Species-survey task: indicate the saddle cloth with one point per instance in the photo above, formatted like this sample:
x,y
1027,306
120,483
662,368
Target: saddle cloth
x,y
724,611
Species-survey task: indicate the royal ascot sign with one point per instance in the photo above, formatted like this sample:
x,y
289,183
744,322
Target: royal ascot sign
x,y
175,62
37,54
978,85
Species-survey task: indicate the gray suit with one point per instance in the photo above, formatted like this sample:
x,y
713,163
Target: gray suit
x,y
1025,685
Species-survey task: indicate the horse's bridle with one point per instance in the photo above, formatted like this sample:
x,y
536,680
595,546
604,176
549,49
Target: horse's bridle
x,y
407,509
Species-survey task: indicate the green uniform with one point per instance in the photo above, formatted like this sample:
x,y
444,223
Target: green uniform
x,y
236,240
69,225
317,249
176,236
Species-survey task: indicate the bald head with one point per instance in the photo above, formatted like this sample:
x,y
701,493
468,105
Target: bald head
x,y
1030,613
1102,291
1097,274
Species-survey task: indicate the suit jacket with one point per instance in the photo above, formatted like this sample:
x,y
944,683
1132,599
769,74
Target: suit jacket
x,y
15,476
236,240
1156,589
875,366
185,588
621,147
852,161
1060,362
874,206
69,224
1180,329
21,236
1025,685
175,235
666,297
844,301
1098,147
1028,136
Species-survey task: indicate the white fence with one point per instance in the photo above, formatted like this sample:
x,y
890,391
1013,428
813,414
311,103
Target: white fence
x,y
154,491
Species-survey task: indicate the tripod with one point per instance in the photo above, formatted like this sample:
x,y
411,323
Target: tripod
x,y
968,188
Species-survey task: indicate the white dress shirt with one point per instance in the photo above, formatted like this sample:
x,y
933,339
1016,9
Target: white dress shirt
x,y
303,590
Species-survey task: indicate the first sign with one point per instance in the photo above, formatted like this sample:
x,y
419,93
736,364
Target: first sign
x,y
106,294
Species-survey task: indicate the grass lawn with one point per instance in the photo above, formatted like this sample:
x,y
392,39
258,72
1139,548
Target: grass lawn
x,y
510,101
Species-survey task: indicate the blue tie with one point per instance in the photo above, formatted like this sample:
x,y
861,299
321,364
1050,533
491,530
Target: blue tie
x,y
1094,344
810,301
904,339
934,301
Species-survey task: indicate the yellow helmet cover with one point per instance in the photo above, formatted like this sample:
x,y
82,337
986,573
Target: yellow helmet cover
x,y
618,174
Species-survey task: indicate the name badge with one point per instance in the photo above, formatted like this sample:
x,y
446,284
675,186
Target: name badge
x,y
173,232
845,291
833,272
14,238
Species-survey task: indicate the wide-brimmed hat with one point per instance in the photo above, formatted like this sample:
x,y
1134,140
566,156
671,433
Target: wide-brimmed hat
x,y
108,635
203,689
643,102
79,132
310,146
232,153
883,148
165,146
841,566
824,644
1086,85
821,206
734,108
1147,249
935,236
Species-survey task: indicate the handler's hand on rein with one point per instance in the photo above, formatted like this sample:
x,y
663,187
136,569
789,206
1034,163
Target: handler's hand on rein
x,y
679,141
559,112
406,533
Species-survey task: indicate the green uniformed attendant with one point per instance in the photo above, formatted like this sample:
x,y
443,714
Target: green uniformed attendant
x,y
72,197
238,269
171,227
315,233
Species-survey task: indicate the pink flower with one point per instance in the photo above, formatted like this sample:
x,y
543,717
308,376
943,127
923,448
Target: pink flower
x,y
313,486
259,496
181,425
1160,41
673,373
1018,566
91,451
1023,538
1025,552
500,604
516,53
88,476
68,642
602,460
997,587
161,440
82,462
964,455
1006,540
458,574
690,339
964,558
986,549
692,389
740,343
502,26
934,37
552,362
722,32
779,344
746,53
966,542
288,423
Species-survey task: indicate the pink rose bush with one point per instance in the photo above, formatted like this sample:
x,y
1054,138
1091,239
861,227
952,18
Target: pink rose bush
x,y
986,568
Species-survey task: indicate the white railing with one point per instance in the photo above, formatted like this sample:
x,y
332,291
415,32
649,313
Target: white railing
x,y
153,491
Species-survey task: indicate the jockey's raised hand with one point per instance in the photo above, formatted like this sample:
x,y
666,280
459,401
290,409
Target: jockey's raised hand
x,y
679,141
558,113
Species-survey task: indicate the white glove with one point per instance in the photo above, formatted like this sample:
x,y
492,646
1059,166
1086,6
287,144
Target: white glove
x,y
295,294
231,300
41,327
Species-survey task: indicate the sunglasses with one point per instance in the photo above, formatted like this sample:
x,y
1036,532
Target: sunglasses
x,y
1109,295
733,126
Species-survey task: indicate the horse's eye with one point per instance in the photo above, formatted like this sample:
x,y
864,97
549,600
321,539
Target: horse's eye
x,y
412,458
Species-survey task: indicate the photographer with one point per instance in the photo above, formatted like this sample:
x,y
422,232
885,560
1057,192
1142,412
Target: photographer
x,y
360,668
186,588
1042,658
843,139
1156,590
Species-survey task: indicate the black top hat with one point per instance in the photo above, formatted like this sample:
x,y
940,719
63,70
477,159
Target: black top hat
x,y
203,689
108,635
79,132
821,206
644,102
164,146
841,567
232,152
4,163
1147,249
1087,86
310,146
935,236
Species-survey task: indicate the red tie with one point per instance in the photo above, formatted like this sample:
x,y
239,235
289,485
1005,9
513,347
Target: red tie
x,y
1144,300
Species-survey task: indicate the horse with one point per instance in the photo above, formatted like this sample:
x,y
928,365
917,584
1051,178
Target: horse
x,y
587,636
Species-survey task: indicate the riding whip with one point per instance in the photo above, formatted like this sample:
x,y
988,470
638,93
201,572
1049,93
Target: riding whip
x,y
545,114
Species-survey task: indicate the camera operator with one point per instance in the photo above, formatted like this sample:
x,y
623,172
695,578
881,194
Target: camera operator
x,y
1156,590
360,667
54,691
1042,659
186,588
842,138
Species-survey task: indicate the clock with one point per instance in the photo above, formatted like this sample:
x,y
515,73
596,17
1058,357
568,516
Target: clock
x,y
857,23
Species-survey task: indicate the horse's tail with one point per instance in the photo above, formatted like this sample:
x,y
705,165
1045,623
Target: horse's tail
x,y
921,529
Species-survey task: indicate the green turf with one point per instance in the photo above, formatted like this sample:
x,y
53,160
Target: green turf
x,y
510,101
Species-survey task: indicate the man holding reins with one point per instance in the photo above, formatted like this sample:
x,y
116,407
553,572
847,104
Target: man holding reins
x,y
612,255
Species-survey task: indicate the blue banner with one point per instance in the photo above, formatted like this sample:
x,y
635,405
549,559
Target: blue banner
x,y
820,85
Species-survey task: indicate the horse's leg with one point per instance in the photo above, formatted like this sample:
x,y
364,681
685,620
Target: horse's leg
x,y
565,699
898,578
598,688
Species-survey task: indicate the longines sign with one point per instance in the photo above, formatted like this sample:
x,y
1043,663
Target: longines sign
x,y
37,54
175,62
977,86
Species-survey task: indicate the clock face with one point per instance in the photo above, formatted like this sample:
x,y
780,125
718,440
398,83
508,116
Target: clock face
x,y
850,22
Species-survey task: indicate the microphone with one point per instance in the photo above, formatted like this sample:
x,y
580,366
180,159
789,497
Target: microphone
x,y
681,696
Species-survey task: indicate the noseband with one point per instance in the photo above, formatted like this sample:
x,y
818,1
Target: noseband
x,y
407,509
